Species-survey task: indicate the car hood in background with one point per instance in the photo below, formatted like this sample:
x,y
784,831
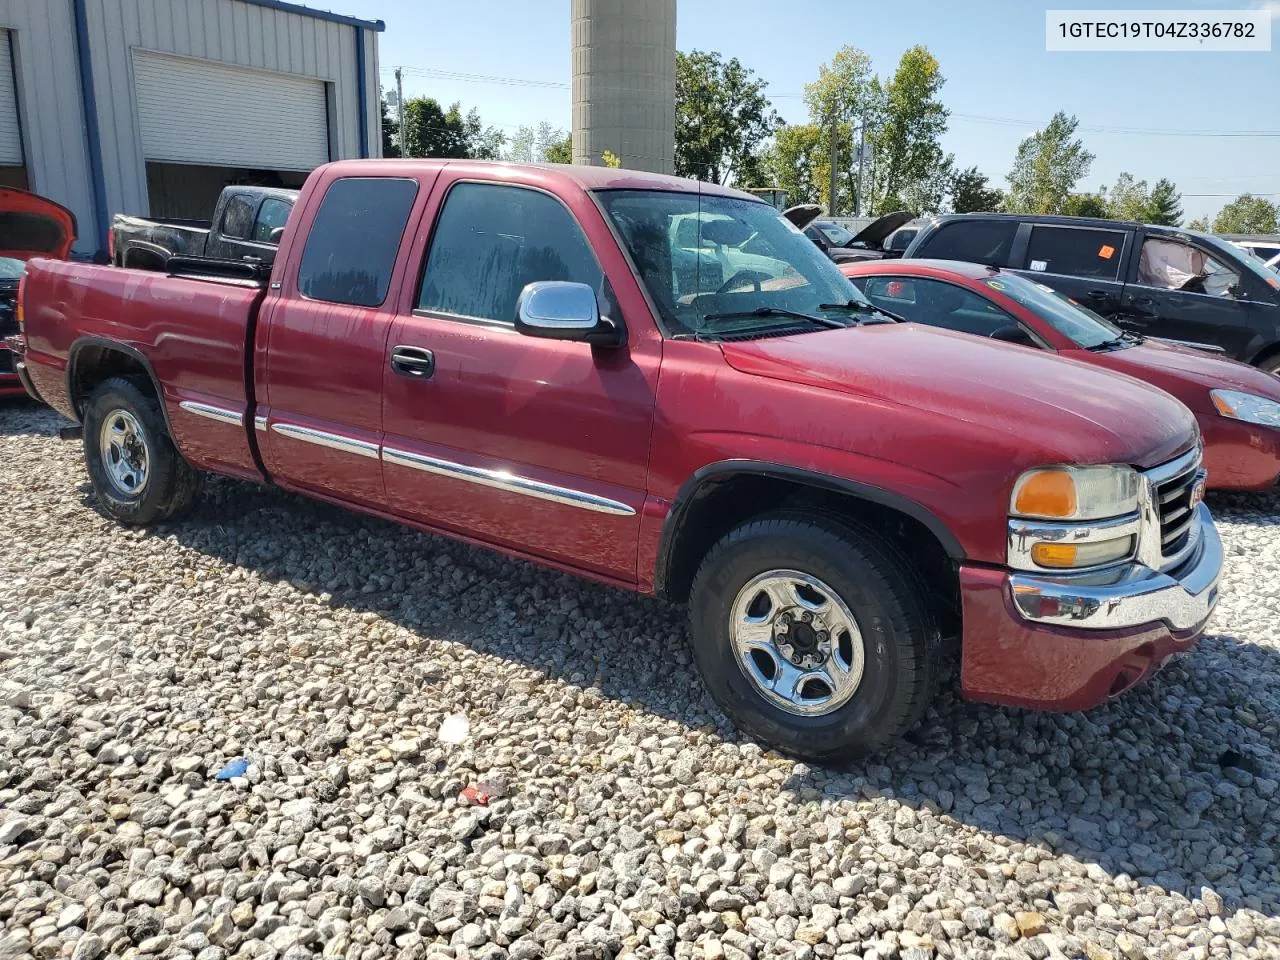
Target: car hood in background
x,y
34,226
1166,364
802,214
876,232
1079,413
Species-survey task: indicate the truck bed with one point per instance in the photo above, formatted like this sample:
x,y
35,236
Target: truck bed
x,y
196,346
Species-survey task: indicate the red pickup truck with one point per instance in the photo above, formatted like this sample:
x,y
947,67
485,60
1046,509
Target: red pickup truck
x,y
663,385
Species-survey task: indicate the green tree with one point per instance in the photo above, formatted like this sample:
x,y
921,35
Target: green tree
x,y
1130,198
908,167
559,150
970,193
523,146
1164,205
1088,205
1247,214
1048,165
792,163
390,147
846,95
1199,223
722,119
432,131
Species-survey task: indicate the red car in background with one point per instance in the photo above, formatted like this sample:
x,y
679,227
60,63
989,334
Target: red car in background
x,y
1237,406
30,226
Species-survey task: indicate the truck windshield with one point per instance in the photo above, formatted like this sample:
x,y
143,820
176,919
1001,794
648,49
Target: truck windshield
x,y
1078,324
725,266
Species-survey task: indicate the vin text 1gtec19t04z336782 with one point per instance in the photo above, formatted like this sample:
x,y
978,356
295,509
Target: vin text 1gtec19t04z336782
x,y
663,385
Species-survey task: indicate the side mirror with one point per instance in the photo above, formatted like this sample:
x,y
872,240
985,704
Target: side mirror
x,y
1013,334
561,310
275,236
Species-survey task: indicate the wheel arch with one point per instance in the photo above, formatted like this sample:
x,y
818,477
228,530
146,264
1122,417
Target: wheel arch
x,y
1268,352
105,358
706,506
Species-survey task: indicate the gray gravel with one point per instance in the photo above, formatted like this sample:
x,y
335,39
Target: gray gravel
x,y
626,817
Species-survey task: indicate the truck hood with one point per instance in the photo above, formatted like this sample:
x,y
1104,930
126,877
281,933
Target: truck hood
x,y
1179,369
1072,411
34,226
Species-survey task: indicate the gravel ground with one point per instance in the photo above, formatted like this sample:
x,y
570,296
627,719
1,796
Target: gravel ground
x,y
370,673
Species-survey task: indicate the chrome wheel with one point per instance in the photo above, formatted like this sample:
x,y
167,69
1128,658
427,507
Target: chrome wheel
x,y
125,457
797,642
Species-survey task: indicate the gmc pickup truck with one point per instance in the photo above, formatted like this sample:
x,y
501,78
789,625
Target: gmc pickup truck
x,y
533,359
247,225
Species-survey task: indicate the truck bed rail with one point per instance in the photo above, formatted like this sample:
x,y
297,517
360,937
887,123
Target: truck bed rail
x,y
240,272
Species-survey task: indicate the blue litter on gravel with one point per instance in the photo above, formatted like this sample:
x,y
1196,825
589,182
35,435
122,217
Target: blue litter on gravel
x,y
234,768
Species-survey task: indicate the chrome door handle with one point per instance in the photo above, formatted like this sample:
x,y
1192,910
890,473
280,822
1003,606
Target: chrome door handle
x,y
413,361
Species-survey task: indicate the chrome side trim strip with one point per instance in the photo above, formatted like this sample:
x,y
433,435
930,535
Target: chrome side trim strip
x,y
260,423
220,414
361,448
503,480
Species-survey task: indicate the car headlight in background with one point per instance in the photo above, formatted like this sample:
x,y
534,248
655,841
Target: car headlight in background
x,y
1246,407
1076,493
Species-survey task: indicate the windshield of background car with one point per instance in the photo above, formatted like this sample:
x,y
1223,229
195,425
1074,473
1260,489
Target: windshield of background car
x,y
1078,324
1249,262
705,255
11,269
836,235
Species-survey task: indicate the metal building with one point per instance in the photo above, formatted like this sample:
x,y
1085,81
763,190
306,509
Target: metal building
x,y
624,82
151,107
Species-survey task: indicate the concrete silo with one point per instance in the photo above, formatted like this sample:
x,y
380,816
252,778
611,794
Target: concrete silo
x,y
624,82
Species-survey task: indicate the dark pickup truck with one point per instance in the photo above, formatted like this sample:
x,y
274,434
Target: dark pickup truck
x,y
247,225
543,360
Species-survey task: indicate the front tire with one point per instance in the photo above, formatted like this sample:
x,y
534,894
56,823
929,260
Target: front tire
x,y
137,474
813,636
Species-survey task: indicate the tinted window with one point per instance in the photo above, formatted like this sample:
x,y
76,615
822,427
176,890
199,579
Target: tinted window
x,y
354,238
237,217
1080,325
1075,251
980,241
490,241
272,214
938,304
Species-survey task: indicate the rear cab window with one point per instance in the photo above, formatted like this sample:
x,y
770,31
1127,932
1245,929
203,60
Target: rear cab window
x,y
978,241
354,238
1075,251
272,214
237,217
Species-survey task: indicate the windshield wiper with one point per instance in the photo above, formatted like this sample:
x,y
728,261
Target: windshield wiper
x,y
777,312
857,306
1120,341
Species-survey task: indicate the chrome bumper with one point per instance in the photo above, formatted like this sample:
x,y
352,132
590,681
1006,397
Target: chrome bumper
x,y
1131,596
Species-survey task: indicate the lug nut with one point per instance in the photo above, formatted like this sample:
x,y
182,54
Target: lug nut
x,y
823,636
783,627
806,616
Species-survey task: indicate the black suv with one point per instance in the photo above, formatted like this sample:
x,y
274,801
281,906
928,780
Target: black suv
x,y
1163,282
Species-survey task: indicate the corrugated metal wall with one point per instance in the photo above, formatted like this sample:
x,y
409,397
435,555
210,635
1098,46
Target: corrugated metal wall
x,y
228,31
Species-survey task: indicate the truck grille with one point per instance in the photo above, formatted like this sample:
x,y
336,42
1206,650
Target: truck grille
x,y
1176,511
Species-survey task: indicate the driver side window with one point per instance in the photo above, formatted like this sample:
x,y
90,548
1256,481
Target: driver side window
x,y
938,304
1173,265
490,240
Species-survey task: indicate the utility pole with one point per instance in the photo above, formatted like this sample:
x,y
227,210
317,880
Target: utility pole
x,y
862,152
404,152
835,156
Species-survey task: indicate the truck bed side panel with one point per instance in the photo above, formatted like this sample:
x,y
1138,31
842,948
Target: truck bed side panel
x,y
192,334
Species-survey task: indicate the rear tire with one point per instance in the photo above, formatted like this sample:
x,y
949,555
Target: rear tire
x,y
137,473
869,644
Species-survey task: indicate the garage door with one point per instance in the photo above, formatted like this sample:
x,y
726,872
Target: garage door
x,y
192,111
10,140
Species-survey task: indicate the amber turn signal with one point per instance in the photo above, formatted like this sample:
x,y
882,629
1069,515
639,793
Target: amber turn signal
x,y
1046,493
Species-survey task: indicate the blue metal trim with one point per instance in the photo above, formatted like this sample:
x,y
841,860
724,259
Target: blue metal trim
x,y
93,136
298,8
362,93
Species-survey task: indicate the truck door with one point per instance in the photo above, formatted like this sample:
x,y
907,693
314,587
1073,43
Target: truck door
x,y
1188,292
1082,262
540,446
319,401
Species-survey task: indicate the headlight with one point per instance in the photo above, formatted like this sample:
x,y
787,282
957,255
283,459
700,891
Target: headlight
x,y
1246,407
1075,493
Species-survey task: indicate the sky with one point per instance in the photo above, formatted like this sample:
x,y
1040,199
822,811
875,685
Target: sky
x,y
1150,114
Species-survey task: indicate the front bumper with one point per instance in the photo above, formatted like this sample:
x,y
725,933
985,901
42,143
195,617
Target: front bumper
x,y
1068,643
